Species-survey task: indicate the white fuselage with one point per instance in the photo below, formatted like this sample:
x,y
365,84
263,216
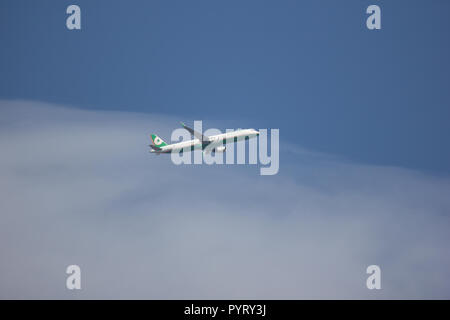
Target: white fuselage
x,y
213,141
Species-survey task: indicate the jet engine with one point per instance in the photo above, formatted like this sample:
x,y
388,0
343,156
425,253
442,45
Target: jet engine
x,y
220,149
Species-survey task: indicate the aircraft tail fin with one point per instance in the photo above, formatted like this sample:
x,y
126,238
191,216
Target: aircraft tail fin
x,y
157,141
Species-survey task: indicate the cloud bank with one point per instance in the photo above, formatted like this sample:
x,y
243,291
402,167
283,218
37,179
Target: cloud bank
x,y
79,187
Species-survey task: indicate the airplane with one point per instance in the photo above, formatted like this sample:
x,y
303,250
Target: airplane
x,y
201,141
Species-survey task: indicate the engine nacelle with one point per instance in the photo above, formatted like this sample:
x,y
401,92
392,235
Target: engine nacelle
x,y
220,149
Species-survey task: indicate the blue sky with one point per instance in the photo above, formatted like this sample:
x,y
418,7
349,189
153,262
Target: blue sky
x,y
310,68
364,158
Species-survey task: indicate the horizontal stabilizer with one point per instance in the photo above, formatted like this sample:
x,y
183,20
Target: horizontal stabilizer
x,y
155,147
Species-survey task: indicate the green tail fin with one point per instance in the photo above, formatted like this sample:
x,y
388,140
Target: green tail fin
x,y
157,141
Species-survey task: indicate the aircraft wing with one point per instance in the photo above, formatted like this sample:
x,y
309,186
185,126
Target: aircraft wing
x,y
196,134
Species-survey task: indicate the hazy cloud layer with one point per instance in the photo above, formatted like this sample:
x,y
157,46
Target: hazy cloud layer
x,y
79,187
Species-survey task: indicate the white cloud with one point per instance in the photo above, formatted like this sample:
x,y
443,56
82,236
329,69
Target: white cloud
x,y
79,187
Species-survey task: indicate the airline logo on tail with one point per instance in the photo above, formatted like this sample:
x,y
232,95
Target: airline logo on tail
x,y
157,141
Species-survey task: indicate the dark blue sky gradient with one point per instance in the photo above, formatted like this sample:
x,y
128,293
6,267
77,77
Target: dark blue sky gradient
x,y
310,68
